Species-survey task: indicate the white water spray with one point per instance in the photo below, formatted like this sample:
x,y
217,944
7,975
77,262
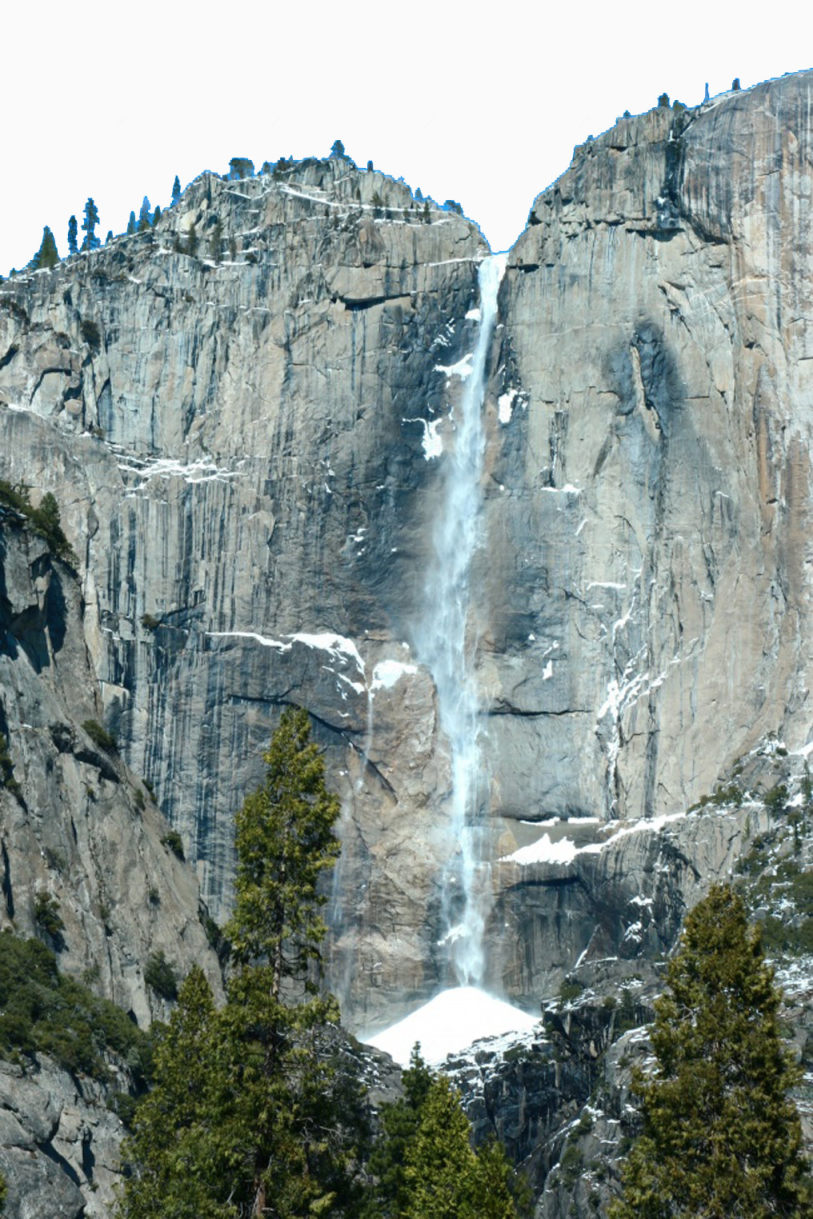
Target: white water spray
x,y
446,647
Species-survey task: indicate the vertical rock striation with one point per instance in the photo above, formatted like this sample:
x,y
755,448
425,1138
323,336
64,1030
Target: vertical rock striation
x,y
243,415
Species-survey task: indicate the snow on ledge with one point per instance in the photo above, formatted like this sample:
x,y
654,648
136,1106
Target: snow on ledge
x,y
387,672
565,850
449,1023
338,647
461,369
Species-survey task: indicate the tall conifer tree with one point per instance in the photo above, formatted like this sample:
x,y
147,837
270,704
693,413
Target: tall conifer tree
x,y
89,222
721,1139
47,255
263,1125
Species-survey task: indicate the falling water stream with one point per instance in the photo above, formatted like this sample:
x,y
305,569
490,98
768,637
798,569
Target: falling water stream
x,y
446,645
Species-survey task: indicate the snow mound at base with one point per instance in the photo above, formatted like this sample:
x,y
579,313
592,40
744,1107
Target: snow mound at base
x,y
449,1023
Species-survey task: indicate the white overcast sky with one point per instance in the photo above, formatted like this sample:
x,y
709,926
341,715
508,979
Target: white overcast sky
x,y
479,103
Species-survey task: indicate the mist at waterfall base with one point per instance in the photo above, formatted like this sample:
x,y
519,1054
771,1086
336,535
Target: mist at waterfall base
x,y
446,644
449,1023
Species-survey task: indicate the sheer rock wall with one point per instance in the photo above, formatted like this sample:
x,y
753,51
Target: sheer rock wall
x,y
240,435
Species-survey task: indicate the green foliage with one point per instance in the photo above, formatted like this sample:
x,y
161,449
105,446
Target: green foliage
x,y
720,1138
47,916
399,1125
3,1192
423,1164
72,235
89,222
178,1143
663,101
571,1164
43,1011
100,736
150,622
250,1114
144,216
445,1178
776,799
285,841
91,334
793,884
570,989
131,224
47,255
174,842
241,167
7,779
192,241
216,240
176,191
723,794
160,976
44,520
337,149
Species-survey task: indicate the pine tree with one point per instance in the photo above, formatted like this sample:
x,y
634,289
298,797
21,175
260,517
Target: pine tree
x,y
264,1123
241,167
144,216
423,1164
131,224
285,841
399,1125
176,191
47,255
446,1179
91,219
177,1140
72,246
720,1138
216,240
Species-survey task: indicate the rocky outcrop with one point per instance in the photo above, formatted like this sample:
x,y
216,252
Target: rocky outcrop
x,y
653,495
79,833
251,536
242,414
59,1144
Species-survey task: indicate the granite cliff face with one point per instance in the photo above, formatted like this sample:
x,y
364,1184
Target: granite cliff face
x,y
78,829
243,412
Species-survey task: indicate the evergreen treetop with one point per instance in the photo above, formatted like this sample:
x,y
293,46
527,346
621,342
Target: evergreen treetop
x,y
277,898
424,1165
249,1115
72,235
47,255
721,1139
89,222
445,1177
144,216
176,191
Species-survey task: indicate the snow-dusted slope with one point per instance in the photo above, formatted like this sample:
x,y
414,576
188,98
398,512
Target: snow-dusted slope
x,y
449,1022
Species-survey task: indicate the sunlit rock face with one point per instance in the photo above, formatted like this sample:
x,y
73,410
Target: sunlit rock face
x,y
652,533
248,445
76,828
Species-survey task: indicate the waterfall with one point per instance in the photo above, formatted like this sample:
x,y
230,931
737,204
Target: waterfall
x,y
446,646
